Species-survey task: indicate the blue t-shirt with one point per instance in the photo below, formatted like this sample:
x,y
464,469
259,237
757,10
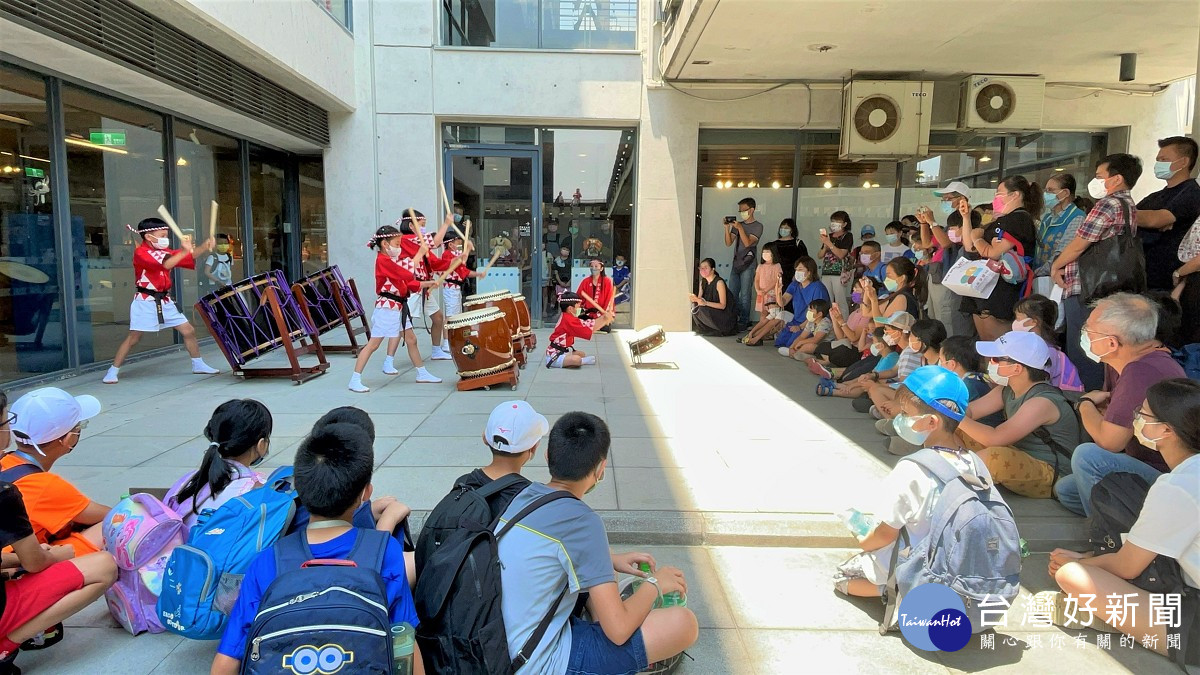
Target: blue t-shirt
x,y
262,572
802,296
887,362
877,272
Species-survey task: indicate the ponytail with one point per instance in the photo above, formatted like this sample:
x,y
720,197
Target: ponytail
x,y
233,430
1031,194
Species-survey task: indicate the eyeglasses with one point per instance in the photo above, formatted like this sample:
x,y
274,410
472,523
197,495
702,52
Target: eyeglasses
x,y
1093,330
1147,417
1000,359
11,419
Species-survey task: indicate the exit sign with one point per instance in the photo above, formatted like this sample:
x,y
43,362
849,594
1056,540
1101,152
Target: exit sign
x,y
106,137
34,172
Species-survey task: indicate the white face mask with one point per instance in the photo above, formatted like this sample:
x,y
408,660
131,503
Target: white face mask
x,y
994,375
802,276
1097,189
1139,431
889,339
810,315
391,252
835,226
876,349
161,243
1085,342
1023,325
903,424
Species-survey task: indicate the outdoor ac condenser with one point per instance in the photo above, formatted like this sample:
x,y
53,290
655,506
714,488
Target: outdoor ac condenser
x,y
1001,103
885,119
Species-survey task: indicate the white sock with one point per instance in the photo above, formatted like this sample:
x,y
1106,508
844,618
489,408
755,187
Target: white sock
x,y
389,365
355,378
198,363
356,384
421,371
588,360
111,376
199,366
445,346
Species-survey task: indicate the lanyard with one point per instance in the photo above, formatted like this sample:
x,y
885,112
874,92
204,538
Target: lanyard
x,y
32,460
324,524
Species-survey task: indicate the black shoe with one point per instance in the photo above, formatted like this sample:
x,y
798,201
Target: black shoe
x,y
8,666
47,638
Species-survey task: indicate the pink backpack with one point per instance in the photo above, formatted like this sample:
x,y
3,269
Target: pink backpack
x,y
140,533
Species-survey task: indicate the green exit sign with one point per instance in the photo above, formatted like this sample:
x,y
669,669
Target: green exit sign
x,y
34,172
105,137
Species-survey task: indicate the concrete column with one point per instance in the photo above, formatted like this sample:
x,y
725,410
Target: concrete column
x,y
1196,99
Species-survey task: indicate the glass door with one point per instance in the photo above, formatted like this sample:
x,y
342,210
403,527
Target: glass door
x,y
497,186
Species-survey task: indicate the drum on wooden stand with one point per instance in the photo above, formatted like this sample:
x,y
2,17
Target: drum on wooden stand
x,y
502,300
524,322
482,347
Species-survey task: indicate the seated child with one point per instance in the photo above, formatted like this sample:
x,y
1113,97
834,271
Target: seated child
x,y
239,439
932,401
333,477
924,341
47,425
817,328
560,350
896,331
54,584
771,321
885,357
1038,314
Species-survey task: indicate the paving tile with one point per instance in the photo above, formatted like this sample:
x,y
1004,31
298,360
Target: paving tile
x,y
803,651
691,489
87,651
663,452
112,450
464,451
718,651
706,593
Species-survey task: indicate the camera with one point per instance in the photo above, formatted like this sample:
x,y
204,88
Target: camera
x,y
729,220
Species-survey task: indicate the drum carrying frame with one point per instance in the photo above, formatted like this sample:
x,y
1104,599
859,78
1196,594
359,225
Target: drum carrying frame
x,y
342,292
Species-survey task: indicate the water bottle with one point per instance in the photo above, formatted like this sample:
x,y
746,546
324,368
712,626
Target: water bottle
x,y
1024,547
672,599
402,649
859,523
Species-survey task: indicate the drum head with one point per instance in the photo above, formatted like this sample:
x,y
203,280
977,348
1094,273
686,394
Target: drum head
x,y
474,316
22,272
486,297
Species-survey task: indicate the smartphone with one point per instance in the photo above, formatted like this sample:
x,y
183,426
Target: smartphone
x,y
729,220
824,232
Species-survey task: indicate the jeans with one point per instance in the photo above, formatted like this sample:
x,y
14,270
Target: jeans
x,y
1089,464
1090,372
741,287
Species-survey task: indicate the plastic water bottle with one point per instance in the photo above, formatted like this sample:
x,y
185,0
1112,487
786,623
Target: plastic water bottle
x,y
858,522
672,599
1024,548
402,649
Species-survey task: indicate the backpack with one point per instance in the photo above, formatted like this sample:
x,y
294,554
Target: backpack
x,y
464,504
140,532
1051,392
972,547
1116,502
203,576
323,614
458,599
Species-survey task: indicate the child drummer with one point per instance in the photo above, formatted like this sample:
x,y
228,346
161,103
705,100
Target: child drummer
x,y
426,303
456,277
152,308
560,351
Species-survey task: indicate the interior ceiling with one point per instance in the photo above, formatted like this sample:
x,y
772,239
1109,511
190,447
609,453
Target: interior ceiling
x,y
1063,40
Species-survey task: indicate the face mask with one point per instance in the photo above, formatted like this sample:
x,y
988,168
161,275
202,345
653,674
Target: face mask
x,y
994,375
1050,198
904,427
876,349
161,243
865,258
261,459
893,239
1097,189
390,252
222,248
598,482
919,253
742,215
946,207
1162,171
458,217
998,203
810,315
889,339
802,276
955,236
1139,431
891,284
1023,325
856,297
620,263
785,232
1085,342
835,226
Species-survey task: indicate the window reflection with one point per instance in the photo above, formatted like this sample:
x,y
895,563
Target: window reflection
x,y
267,209
31,332
544,24
314,233
974,161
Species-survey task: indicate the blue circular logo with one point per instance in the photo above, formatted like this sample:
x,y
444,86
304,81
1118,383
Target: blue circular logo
x,y
933,618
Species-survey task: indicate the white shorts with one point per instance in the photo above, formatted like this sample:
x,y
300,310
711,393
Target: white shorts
x,y
385,323
419,305
556,361
143,316
452,299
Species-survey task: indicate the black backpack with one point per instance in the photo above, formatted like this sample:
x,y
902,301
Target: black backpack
x,y
458,596
1116,502
466,503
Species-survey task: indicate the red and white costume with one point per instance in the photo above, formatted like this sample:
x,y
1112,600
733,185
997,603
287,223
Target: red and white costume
x,y
452,289
600,290
394,286
152,309
419,304
562,340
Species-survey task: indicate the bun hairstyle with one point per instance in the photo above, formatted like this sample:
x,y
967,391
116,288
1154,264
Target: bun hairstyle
x,y
1031,195
405,222
383,233
233,430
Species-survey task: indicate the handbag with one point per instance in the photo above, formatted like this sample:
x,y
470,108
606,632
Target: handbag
x,y
1113,265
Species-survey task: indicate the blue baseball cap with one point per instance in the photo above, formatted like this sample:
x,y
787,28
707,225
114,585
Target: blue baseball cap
x,y
868,229
939,389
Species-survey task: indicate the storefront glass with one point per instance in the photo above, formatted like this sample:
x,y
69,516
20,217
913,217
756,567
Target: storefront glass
x,y
314,231
540,24
267,210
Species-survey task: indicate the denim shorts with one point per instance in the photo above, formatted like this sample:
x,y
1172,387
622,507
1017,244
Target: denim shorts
x,y
592,653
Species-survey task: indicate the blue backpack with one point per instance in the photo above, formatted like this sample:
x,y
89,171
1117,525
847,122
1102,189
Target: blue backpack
x,y
973,546
203,576
322,615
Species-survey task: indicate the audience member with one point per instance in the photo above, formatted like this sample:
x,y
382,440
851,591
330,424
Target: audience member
x,y
852,339
893,247
946,244
837,268
924,345
743,233
714,310
1164,218
1038,314
805,288
1120,333
870,261
817,329
788,248
1063,216
768,279
903,284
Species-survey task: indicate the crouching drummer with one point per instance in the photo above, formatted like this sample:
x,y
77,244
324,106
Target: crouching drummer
x,y
560,352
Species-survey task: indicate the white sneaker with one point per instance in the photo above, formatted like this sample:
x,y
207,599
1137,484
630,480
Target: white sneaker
x,y
356,384
389,367
199,367
439,355
111,376
426,377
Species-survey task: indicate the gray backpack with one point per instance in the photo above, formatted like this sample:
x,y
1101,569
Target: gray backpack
x,y
972,547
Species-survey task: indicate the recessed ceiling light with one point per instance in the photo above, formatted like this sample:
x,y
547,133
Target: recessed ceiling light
x,y
701,62
867,184
775,184
819,173
985,158
1059,169
583,154
827,184
743,158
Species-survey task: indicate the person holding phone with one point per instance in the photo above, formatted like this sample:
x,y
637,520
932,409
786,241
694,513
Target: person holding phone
x,y
837,270
742,233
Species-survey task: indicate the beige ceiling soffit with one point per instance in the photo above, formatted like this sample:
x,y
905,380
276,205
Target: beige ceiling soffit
x,y
689,33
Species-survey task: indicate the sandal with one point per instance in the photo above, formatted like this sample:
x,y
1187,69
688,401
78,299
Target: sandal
x,y
816,368
825,387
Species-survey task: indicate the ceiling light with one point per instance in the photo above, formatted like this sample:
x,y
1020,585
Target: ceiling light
x,y
741,184
775,184
88,144
720,185
583,154
8,169
867,184
181,162
728,183
985,158
36,159
5,153
1059,168
827,184
819,173
743,157
874,185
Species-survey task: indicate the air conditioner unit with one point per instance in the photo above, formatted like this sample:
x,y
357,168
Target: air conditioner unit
x,y
1001,103
883,119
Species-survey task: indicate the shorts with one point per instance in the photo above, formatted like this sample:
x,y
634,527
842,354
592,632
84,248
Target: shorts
x,y
32,594
143,316
555,360
593,653
385,323
452,299
420,302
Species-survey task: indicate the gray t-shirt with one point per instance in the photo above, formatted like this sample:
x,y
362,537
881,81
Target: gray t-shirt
x,y
1065,431
746,256
561,543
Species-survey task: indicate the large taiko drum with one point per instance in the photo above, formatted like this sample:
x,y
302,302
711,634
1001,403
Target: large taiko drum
x,y
502,300
482,347
524,322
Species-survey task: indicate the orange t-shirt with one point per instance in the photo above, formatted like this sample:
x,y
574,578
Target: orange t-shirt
x,y
52,504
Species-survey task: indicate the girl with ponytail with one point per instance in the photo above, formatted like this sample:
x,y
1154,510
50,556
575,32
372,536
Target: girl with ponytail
x,y
239,438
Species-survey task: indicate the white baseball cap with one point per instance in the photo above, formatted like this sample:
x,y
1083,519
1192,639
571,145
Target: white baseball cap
x,y
955,186
514,427
1026,348
48,414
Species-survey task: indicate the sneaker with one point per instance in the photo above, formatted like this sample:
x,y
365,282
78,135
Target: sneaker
x,y
439,355
390,370
426,377
875,413
885,427
816,368
199,367
110,377
358,388
8,666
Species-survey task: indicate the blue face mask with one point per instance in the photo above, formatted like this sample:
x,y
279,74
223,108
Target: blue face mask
x,y
1050,199
1162,170
946,207
893,239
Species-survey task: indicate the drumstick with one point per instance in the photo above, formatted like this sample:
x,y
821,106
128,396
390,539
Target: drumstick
x,y
445,199
166,216
495,254
212,223
416,225
593,303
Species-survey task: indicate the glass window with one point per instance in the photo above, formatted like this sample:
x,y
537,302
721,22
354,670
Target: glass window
x,y
207,168
587,206
31,330
267,209
863,189
541,24
314,233
338,9
1040,156
116,178
974,161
